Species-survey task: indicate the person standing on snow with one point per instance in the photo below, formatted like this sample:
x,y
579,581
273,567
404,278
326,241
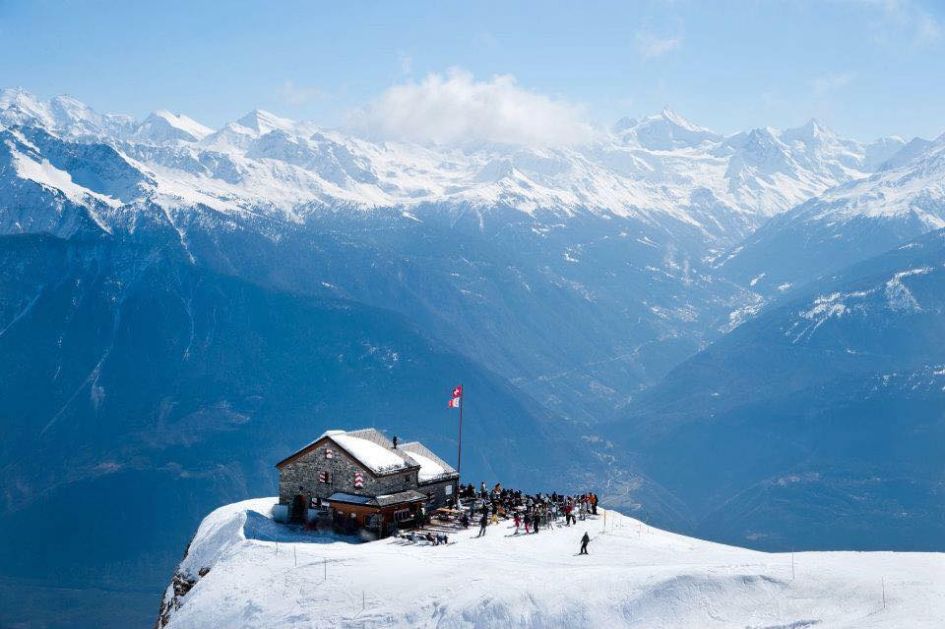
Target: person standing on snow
x,y
483,523
584,541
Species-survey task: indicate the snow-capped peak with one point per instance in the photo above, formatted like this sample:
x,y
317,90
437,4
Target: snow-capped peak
x,y
164,126
17,106
647,168
261,122
810,131
61,115
671,115
666,130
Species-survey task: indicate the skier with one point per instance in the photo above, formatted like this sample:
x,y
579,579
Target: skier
x,y
535,520
518,522
528,521
584,541
483,523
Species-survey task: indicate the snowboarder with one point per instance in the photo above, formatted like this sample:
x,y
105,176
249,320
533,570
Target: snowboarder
x,y
584,541
483,523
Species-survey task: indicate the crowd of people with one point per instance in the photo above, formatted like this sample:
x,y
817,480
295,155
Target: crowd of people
x,y
529,512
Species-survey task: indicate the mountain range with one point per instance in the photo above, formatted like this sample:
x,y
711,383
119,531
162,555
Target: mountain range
x,y
688,320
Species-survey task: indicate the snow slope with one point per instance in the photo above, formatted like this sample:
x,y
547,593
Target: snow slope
x,y
261,574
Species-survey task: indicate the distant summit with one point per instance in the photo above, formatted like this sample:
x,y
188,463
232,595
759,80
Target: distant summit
x,y
665,131
163,126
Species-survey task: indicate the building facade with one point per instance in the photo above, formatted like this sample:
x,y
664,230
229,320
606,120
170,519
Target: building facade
x,y
362,463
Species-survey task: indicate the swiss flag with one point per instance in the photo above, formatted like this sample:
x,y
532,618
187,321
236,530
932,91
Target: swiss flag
x,y
458,391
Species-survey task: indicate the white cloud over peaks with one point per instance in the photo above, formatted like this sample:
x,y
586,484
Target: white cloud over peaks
x,y
904,21
828,83
650,45
295,95
455,108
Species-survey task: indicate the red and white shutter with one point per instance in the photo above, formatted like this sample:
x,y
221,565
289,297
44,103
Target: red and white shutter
x,y
358,480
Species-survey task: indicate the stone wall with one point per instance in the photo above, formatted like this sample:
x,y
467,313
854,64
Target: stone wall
x,y
303,472
438,492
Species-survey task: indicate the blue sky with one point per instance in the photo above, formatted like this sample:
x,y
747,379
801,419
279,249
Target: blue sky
x,y
864,67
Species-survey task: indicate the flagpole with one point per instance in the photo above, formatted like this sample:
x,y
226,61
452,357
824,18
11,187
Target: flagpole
x,y
459,455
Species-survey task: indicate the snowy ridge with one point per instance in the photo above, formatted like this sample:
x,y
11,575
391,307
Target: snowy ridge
x,y
242,569
663,168
915,187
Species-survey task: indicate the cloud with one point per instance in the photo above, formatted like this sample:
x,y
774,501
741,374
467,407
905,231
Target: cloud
x,y
406,62
650,45
828,83
903,21
297,95
455,108
928,30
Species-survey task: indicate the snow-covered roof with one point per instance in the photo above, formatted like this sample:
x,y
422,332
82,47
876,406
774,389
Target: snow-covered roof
x,y
432,467
372,449
375,456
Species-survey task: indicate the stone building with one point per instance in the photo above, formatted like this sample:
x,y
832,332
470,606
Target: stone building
x,y
362,463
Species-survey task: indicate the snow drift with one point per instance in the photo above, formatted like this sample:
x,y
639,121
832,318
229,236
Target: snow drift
x,y
244,570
